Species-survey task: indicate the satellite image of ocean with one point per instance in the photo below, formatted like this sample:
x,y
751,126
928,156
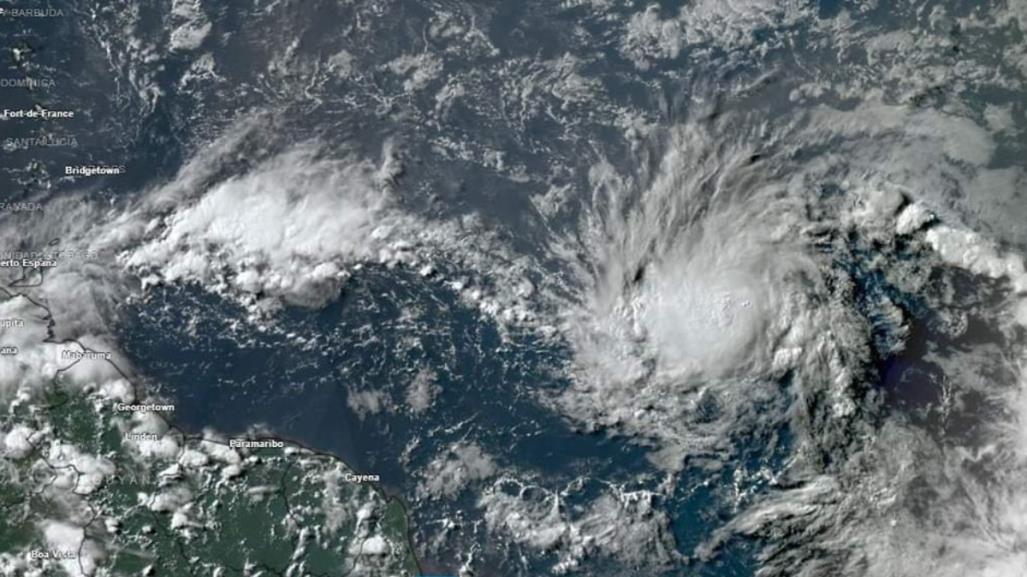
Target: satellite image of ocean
x,y
513,288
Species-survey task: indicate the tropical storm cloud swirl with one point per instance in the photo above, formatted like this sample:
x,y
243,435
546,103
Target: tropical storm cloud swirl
x,y
768,255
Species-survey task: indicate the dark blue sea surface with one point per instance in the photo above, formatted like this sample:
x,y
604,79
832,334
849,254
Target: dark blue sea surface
x,y
388,325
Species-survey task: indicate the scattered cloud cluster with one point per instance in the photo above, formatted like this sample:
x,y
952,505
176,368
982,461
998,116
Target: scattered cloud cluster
x,y
626,526
453,470
725,25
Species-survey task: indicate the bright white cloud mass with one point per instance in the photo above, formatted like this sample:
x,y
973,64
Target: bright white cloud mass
x,y
287,229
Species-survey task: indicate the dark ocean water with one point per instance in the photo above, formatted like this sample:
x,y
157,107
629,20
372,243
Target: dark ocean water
x,y
180,340
232,379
